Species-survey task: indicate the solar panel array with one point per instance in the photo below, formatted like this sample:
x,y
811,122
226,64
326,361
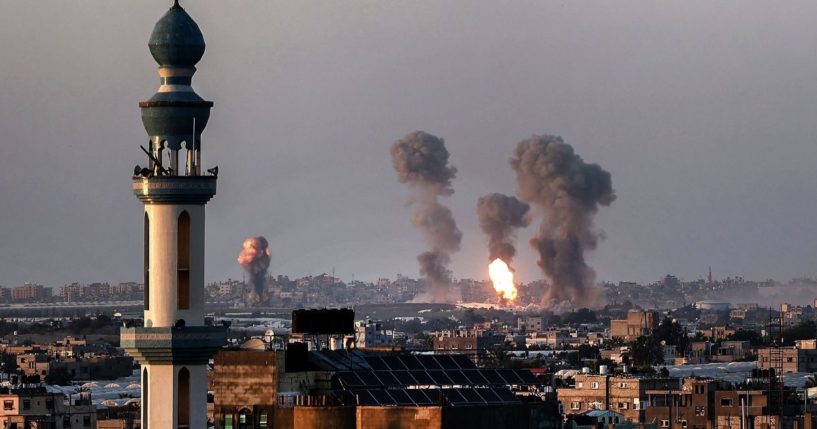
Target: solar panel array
x,y
429,397
397,371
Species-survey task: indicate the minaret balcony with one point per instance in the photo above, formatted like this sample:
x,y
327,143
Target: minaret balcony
x,y
190,345
174,189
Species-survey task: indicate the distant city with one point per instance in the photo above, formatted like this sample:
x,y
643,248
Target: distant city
x,y
324,290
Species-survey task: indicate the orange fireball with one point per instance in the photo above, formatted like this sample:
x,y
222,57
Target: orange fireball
x,y
502,279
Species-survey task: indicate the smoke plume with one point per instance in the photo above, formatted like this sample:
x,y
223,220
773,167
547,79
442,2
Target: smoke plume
x,y
499,216
255,258
421,161
569,191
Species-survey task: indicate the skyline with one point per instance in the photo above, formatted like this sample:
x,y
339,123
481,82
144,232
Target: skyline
x,y
705,126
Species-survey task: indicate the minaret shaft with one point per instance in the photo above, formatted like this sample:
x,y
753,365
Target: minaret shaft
x,y
176,265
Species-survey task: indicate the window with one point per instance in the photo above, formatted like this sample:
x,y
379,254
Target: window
x,y
683,423
262,421
726,402
594,385
8,405
184,398
147,264
575,405
86,421
580,385
700,411
26,404
664,423
183,262
49,404
623,405
228,422
145,398
622,385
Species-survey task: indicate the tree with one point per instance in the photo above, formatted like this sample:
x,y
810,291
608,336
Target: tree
x,y
59,376
646,350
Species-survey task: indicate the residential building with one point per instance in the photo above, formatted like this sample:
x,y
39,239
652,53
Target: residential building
x,y
623,394
637,324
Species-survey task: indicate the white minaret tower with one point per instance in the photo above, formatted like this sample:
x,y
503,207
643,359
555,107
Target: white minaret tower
x,y
174,345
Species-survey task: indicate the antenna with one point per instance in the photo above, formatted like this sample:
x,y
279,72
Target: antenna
x,y
193,148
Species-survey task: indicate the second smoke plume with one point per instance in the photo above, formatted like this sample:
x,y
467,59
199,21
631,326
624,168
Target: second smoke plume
x,y
421,161
499,216
569,191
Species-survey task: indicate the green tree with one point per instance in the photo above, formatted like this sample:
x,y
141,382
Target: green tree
x,y
59,376
646,350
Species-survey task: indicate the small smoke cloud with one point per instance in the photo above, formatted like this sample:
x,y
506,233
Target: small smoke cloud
x,y
569,191
255,258
421,161
499,217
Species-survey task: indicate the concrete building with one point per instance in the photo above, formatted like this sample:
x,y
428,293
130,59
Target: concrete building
x,y
174,345
637,324
623,394
34,407
789,359
692,406
31,293
531,324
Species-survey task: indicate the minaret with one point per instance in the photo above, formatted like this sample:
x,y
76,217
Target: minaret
x,y
174,346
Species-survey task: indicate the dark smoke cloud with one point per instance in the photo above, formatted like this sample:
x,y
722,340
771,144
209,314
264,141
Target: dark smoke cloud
x,y
569,191
255,258
499,217
421,161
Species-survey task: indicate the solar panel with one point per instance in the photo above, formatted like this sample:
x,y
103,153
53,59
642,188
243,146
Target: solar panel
x,y
506,395
365,398
422,378
411,362
527,376
440,378
376,363
393,362
471,396
446,362
368,378
510,376
350,379
489,396
428,362
464,362
419,397
387,378
454,397
400,397
492,376
457,377
404,378
475,377
382,397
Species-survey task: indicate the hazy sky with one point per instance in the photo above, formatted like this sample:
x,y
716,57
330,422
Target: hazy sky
x,y
705,113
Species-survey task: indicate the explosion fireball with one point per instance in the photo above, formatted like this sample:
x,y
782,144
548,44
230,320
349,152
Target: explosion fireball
x,y
502,279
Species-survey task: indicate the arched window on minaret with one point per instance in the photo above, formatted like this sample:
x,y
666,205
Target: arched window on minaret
x,y
147,262
184,398
183,262
145,402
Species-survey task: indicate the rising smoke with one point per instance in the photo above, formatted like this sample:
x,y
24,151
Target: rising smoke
x,y
255,258
421,161
499,217
569,191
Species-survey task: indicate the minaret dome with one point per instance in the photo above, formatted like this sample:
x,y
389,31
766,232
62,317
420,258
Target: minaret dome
x,y
176,40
